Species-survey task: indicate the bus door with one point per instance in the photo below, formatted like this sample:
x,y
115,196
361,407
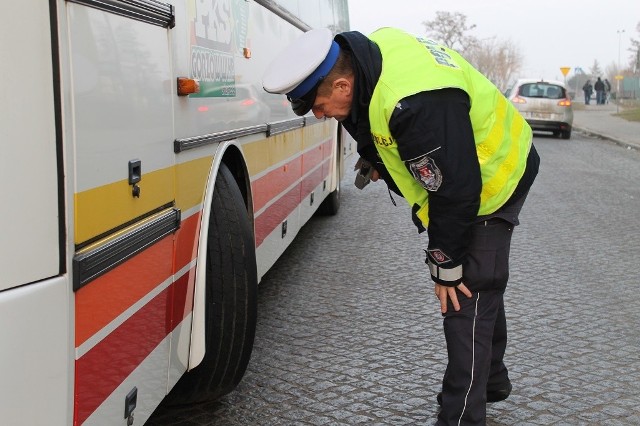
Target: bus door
x,y
124,211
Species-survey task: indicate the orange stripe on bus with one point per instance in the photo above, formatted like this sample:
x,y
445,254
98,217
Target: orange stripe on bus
x,y
102,300
101,370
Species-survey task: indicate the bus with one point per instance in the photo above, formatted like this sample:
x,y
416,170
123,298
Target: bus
x,y
150,183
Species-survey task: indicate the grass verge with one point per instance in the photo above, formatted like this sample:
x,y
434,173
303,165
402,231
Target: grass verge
x,y
630,111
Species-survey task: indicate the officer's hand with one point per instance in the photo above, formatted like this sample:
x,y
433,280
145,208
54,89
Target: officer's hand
x,y
444,293
375,175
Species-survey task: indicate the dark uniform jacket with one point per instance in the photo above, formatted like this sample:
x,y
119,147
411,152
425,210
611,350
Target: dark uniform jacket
x,y
435,122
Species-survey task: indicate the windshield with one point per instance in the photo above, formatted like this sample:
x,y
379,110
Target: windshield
x,y
542,90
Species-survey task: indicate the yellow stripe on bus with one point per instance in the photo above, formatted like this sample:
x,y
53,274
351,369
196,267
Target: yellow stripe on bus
x,y
101,209
191,179
265,153
107,207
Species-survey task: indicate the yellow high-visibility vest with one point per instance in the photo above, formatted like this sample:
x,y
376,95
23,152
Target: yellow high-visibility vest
x,y
503,138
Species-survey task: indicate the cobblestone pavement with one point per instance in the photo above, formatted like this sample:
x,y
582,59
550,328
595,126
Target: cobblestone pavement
x,y
350,332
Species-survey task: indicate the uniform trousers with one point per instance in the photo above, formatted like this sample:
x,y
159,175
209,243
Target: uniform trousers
x,y
476,335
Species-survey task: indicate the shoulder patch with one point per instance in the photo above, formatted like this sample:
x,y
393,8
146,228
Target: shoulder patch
x,y
425,171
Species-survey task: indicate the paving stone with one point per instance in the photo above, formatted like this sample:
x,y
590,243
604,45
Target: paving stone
x,y
350,332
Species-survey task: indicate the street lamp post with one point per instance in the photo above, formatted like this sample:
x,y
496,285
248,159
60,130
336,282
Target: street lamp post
x,y
619,43
619,72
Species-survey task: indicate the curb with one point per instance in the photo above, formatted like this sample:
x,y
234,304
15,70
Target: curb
x,y
617,141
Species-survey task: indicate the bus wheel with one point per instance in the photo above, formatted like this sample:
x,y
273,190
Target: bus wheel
x,y
231,299
331,204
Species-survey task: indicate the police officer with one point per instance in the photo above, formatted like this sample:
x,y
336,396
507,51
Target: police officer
x,y
442,136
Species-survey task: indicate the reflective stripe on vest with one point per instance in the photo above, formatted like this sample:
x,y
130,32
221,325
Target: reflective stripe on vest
x,y
502,136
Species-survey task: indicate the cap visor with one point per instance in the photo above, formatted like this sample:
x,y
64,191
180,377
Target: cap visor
x,y
303,105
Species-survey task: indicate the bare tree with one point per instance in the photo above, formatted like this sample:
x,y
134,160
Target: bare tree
x,y
450,29
634,59
498,60
595,69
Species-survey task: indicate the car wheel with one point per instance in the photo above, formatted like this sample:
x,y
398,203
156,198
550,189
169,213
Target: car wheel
x,y
566,134
231,299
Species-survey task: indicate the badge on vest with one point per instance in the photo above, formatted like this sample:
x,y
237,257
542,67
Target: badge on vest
x,y
425,171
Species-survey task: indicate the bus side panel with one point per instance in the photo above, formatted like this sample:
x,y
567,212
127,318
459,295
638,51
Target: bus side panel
x,y
121,91
290,176
28,172
36,368
319,173
35,359
122,94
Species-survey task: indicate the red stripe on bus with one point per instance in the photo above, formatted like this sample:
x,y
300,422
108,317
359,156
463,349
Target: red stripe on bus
x,y
106,297
102,300
273,183
101,370
276,181
312,181
273,216
106,365
312,158
187,240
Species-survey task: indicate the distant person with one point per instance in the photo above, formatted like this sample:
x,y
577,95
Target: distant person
x,y
588,90
607,91
599,87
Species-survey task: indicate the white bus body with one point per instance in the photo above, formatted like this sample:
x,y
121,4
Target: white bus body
x,y
138,222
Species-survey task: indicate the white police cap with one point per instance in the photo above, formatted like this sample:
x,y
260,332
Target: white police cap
x,y
298,70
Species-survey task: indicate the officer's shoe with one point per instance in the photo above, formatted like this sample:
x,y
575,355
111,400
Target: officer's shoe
x,y
492,396
499,394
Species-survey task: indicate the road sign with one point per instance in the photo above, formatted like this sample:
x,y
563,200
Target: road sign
x,y
565,70
619,77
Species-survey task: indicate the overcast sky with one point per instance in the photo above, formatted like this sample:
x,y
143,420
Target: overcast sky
x,y
549,33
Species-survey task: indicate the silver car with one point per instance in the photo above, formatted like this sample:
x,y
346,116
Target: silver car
x,y
544,104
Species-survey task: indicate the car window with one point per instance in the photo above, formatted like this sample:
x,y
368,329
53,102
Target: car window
x,y
541,90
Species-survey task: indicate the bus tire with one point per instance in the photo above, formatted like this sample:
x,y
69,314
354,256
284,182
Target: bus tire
x,y
331,204
231,299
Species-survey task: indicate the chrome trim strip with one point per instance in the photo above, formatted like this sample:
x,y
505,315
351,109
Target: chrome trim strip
x,y
310,120
270,129
284,126
180,145
284,14
96,260
149,11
